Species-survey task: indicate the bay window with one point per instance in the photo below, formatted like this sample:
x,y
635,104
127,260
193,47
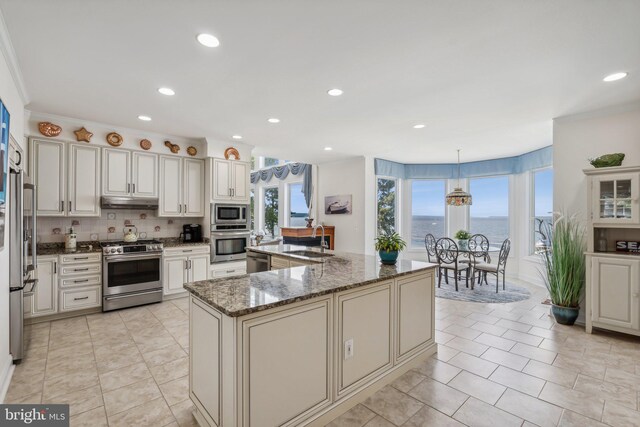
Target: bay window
x,y
297,206
270,211
489,213
427,210
386,202
541,208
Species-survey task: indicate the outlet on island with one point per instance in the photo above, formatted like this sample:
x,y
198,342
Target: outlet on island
x,y
348,349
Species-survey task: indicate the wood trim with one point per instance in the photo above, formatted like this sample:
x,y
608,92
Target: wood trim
x,y
329,230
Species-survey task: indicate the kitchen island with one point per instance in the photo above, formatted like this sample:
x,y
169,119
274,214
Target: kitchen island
x,y
299,345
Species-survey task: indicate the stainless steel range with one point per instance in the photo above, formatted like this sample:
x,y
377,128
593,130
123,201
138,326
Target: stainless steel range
x,y
132,273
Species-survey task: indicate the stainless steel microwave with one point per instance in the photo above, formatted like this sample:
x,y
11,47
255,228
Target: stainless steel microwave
x,y
230,214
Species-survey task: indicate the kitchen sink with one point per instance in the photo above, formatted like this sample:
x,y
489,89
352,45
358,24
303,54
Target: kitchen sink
x,y
309,254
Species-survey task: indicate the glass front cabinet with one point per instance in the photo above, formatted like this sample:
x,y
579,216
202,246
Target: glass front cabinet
x,y
615,199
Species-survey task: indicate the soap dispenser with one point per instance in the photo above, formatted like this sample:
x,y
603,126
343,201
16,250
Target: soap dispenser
x,y
70,240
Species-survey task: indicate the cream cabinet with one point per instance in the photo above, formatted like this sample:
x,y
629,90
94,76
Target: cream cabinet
x,y
68,178
230,180
615,292
181,187
228,269
183,265
44,300
415,325
615,198
129,173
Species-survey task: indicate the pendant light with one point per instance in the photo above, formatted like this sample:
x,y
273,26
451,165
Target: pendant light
x,y
458,197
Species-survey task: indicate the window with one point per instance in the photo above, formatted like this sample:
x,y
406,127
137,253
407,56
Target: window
x,y
386,201
297,206
270,204
541,209
489,213
270,161
427,210
252,206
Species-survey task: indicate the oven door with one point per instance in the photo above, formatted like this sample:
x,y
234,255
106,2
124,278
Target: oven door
x,y
131,273
229,245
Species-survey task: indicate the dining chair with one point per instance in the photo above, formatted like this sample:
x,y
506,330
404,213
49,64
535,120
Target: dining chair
x,y
448,254
495,269
430,245
478,252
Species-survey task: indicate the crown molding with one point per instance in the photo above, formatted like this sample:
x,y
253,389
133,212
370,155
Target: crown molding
x,y
6,47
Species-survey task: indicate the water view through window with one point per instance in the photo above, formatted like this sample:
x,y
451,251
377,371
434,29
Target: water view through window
x,y
489,213
542,208
427,210
297,206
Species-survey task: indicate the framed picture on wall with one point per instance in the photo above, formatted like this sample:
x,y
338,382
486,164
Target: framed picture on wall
x,y
338,205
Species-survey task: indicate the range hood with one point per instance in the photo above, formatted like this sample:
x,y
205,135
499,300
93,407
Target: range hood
x,y
117,202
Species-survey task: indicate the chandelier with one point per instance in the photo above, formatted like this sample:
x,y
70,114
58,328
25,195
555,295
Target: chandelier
x,y
458,197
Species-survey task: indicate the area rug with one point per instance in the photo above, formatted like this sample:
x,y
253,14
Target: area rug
x,y
484,293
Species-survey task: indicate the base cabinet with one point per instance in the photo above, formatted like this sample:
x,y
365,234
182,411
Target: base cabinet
x,y
45,298
183,265
286,366
615,292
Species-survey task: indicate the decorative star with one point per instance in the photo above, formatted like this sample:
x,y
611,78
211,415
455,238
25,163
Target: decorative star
x,y
83,134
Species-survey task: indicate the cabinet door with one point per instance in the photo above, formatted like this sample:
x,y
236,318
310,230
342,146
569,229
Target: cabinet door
x,y
240,176
49,175
116,172
221,184
615,199
46,293
144,175
84,181
170,186
414,313
615,291
198,268
174,274
193,193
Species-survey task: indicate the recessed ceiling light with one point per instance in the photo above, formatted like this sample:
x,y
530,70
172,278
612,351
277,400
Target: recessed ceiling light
x,y
237,137
208,40
273,120
166,91
144,118
615,76
418,126
328,148
335,92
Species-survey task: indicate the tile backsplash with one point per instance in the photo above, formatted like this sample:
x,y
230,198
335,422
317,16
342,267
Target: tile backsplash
x,y
110,224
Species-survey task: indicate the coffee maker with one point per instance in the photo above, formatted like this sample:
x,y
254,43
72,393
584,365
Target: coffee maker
x,y
192,233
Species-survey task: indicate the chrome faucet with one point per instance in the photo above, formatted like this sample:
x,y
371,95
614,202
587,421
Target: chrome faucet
x,y
323,243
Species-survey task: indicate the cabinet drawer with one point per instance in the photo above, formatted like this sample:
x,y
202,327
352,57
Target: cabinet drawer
x,y
228,272
80,269
78,299
80,258
81,281
188,250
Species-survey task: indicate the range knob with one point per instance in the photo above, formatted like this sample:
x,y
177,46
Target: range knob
x,y
119,250
112,250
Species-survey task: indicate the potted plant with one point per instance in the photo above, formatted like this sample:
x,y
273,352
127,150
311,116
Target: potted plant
x,y
463,237
564,268
388,245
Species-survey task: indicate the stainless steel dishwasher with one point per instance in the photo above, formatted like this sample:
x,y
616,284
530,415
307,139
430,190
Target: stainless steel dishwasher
x,y
257,262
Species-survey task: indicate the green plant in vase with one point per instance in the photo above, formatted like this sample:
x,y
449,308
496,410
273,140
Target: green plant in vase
x,y
388,246
564,268
463,236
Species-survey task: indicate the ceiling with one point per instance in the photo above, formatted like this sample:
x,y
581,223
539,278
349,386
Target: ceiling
x,y
484,76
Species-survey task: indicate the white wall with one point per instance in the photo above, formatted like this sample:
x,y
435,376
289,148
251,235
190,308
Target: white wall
x,y
11,97
578,138
343,178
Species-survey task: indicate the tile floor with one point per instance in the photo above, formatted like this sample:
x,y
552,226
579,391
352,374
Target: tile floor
x,y
497,365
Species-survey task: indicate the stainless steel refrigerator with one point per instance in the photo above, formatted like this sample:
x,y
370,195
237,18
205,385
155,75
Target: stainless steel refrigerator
x,y
22,244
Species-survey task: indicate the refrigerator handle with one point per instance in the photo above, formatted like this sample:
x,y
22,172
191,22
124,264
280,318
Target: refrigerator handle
x,y
34,228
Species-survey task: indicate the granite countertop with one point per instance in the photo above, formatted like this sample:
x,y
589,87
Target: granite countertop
x,y
57,248
176,242
241,295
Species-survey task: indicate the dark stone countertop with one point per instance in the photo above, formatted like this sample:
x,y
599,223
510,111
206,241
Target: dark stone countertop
x,y
241,295
176,242
57,248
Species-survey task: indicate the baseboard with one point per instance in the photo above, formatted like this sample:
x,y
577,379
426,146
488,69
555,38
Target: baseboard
x,y
178,295
6,372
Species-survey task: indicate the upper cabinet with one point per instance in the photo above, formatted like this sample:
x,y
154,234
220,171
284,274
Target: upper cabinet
x,y
615,198
127,173
230,181
67,177
181,187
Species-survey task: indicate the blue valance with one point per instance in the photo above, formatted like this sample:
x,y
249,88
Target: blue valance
x,y
282,172
506,166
